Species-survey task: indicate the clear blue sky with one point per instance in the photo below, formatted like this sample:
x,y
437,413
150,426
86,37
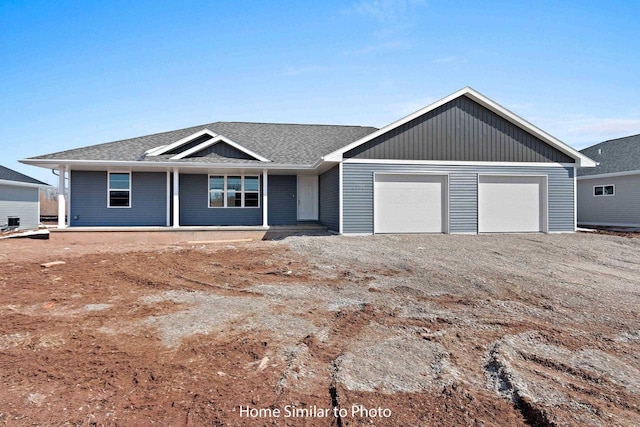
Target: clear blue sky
x,y
80,73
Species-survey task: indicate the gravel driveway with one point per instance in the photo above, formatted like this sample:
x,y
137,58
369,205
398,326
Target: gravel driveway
x,y
520,329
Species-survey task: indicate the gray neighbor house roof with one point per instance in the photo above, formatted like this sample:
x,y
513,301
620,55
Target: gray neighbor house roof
x,y
7,174
615,155
291,144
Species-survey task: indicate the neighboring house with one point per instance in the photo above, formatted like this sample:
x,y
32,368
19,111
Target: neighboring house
x,y
609,194
19,200
461,165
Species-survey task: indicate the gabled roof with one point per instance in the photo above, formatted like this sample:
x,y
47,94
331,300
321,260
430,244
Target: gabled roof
x,y
10,176
581,159
287,144
614,156
215,138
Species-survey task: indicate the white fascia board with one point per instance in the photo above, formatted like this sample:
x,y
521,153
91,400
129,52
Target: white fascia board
x,y
609,175
23,184
215,140
457,163
49,163
163,149
583,160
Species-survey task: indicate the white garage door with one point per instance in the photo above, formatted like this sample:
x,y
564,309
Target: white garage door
x,y
512,204
410,203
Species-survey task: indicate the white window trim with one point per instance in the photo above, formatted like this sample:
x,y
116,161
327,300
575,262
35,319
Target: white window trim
x,y
224,191
119,189
593,193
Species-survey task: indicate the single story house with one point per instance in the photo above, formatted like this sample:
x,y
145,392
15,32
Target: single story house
x,y
609,194
19,200
463,164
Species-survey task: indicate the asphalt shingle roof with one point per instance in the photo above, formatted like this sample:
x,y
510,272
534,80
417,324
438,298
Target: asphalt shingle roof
x,y
280,143
7,174
616,155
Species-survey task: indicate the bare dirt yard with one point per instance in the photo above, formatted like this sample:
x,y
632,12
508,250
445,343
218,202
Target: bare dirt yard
x,y
319,331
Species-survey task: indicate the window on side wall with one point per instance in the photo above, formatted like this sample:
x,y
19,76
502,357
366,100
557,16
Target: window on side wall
x,y
119,190
234,191
604,190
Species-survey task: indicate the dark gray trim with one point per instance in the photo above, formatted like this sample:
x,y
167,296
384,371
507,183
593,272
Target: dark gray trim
x,y
460,130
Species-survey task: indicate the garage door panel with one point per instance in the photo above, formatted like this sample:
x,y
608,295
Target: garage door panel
x,y
511,204
409,203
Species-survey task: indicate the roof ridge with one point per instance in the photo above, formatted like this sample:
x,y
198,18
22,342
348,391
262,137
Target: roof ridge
x,y
610,140
297,124
622,137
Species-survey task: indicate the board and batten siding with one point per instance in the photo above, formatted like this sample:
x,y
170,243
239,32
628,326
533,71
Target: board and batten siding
x,y
21,202
463,193
283,200
89,200
222,149
460,130
622,209
330,199
195,210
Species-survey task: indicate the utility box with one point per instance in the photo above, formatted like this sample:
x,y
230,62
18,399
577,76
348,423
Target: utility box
x,y
13,221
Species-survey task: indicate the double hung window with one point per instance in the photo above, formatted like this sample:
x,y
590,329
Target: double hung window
x,y
119,190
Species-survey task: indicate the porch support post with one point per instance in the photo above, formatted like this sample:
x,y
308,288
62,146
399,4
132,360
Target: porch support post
x,y
168,220
62,202
176,198
265,199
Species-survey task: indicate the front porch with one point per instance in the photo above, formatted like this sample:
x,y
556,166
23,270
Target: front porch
x,y
227,200
184,235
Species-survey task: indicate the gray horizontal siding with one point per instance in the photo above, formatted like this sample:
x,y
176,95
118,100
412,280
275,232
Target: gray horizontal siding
x,y
330,198
623,208
194,206
460,130
463,193
283,200
89,200
21,202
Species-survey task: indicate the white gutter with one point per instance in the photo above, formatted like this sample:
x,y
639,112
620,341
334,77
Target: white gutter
x,y
48,163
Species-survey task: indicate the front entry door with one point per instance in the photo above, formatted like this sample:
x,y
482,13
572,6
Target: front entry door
x,y
307,198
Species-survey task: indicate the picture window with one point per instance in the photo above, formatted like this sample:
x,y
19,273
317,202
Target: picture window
x,y
234,191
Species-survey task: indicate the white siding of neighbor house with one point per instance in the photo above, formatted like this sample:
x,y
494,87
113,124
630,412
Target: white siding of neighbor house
x,y
463,193
621,209
21,202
